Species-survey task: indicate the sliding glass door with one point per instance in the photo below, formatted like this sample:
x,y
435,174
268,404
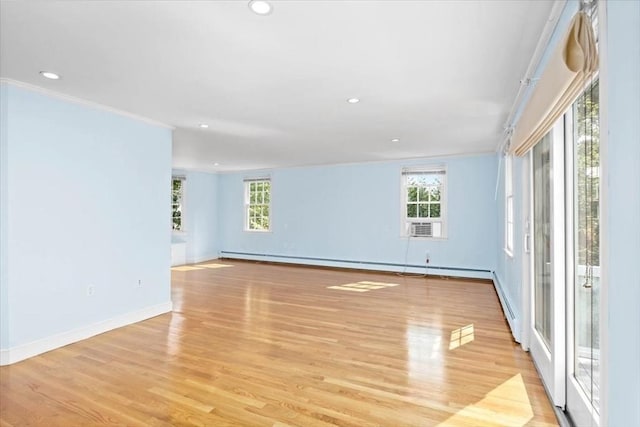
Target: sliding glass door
x,y
547,339
583,341
564,295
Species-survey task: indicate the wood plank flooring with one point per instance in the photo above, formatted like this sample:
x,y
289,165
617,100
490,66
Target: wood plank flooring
x,y
272,345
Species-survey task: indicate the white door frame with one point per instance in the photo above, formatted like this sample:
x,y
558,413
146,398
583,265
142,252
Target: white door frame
x,y
551,364
527,245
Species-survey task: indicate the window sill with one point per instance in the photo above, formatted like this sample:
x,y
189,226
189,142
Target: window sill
x,y
404,236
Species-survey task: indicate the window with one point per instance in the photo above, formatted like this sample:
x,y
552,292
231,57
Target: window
x,y
586,242
177,202
424,202
257,201
508,198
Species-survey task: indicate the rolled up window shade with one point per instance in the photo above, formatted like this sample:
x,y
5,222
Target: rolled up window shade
x,y
573,64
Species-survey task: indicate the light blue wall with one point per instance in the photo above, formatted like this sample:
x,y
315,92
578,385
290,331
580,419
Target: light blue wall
x,y
622,197
87,203
352,213
201,216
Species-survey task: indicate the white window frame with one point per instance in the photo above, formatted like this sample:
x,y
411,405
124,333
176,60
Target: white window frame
x,y
181,203
247,204
509,214
406,221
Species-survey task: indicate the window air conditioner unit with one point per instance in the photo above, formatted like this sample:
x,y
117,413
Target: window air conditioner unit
x,y
421,229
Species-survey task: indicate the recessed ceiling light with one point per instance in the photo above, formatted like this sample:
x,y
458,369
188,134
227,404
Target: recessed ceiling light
x,y
203,125
49,75
353,100
395,140
216,164
260,7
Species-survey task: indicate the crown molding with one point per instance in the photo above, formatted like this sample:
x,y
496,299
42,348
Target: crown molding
x,y
84,102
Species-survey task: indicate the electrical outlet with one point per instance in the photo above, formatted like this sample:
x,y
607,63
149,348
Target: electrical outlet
x,y
90,290
427,258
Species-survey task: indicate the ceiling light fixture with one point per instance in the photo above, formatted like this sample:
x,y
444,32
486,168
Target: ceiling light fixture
x,y
216,164
395,140
203,125
353,100
260,7
49,75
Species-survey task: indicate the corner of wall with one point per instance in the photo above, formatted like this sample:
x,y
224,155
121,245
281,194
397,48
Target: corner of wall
x,y
15,354
4,218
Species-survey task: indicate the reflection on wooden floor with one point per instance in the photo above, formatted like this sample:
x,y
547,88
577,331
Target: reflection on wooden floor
x,y
199,266
362,286
271,345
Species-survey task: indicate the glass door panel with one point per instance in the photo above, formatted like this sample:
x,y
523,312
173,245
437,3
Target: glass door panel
x,y
547,323
583,391
542,273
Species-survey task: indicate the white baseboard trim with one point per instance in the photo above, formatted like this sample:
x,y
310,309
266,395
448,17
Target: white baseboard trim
x,y
512,318
202,258
34,348
361,265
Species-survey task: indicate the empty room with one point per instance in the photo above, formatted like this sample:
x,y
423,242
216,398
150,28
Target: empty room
x,y
348,213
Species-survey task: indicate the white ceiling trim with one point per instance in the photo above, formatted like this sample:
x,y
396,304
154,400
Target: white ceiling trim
x,y
527,83
407,162
84,102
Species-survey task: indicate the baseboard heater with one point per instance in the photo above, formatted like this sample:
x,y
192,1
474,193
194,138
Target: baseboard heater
x,y
505,301
509,315
347,261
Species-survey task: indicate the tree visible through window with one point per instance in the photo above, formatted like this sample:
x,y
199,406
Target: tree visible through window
x,y
257,204
177,188
424,202
423,197
587,283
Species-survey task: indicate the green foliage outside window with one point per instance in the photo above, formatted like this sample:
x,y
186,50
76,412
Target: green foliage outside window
x,y
587,136
176,203
259,195
424,197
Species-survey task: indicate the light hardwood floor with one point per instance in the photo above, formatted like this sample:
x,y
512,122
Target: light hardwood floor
x,y
271,345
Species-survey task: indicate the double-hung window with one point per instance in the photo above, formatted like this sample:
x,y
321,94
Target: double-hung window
x,y
257,203
177,202
424,202
508,198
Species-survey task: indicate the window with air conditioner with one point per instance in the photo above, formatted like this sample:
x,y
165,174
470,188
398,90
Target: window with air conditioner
x,y
424,202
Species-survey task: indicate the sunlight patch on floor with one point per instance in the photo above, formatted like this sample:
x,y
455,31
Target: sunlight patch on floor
x,y
199,267
185,268
506,405
364,286
214,265
461,336
347,288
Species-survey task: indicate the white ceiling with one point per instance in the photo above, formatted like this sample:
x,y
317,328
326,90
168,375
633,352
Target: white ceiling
x,y
439,75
